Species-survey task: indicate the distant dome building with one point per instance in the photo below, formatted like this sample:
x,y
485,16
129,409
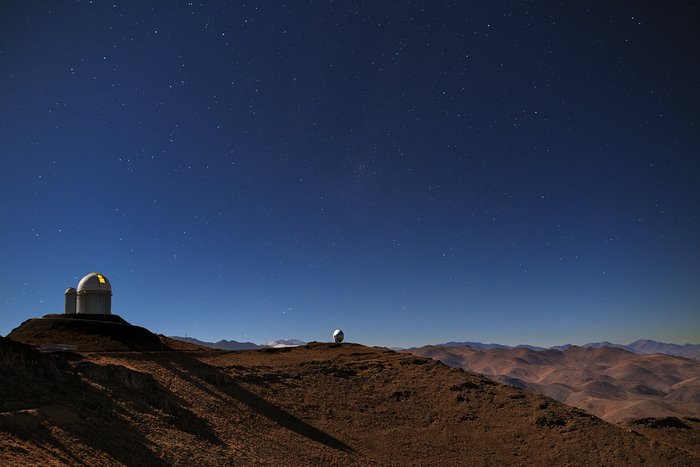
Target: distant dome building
x,y
93,297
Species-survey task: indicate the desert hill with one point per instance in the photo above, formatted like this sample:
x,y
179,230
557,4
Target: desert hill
x,y
609,382
315,404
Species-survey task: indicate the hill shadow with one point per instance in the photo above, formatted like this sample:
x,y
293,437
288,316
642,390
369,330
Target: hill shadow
x,y
47,392
146,395
196,372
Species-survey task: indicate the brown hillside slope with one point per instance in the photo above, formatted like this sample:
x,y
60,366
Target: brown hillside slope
x,y
611,383
318,404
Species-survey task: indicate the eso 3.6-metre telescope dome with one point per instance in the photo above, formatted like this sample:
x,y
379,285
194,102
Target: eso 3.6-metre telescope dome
x,y
93,296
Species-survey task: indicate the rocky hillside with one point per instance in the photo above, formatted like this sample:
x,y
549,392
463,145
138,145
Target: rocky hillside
x,y
317,404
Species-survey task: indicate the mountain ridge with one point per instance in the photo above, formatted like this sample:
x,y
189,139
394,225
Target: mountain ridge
x,y
223,344
640,346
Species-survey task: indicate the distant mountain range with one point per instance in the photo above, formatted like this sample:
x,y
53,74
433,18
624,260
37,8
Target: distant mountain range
x,y
645,346
641,346
235,345
222,344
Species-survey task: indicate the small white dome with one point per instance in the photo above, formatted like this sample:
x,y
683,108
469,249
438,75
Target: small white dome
x,y
94,282
338,336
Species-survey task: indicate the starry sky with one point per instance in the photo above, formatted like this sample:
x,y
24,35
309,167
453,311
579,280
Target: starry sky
x,y
410,172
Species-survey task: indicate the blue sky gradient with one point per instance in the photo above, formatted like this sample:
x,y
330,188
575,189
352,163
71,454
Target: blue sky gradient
x,y
411,173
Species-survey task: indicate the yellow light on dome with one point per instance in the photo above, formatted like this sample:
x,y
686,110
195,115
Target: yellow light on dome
x,y
101,278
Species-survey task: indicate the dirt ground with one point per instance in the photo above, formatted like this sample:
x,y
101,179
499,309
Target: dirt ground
x,y
329,404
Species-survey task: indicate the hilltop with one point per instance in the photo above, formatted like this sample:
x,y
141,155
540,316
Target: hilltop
x,y
88,333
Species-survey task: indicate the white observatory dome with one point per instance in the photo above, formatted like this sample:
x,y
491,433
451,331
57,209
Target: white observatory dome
x,y
94,282
94,295
338,336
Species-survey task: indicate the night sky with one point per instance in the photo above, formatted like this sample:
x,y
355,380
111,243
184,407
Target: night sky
x,y
411,172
